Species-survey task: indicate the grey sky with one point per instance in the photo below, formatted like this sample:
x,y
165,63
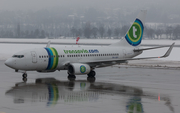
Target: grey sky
x,y
39,4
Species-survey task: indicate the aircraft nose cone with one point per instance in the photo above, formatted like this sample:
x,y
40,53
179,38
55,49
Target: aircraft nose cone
x,y
9,63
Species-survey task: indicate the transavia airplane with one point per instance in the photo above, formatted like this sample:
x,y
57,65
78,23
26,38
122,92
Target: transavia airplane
x,y
83,60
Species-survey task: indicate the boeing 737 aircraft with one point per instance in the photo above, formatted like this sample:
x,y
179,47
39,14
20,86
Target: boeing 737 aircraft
x,y
83,60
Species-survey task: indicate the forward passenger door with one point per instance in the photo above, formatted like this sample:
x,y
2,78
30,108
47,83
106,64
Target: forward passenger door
x,y
34,57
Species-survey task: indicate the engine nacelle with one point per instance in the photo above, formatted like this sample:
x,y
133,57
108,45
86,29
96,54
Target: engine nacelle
x,y
78,69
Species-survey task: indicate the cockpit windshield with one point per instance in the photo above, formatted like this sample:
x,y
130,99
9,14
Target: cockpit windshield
x,y
18,56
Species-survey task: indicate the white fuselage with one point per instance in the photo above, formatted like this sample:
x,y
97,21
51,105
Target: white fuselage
x,y
38,59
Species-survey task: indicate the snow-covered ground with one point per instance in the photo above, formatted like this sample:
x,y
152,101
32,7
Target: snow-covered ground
x,y
7,50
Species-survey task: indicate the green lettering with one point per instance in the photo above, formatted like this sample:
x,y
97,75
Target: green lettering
x,y
75,51
86,51
66,51
70,51
81,51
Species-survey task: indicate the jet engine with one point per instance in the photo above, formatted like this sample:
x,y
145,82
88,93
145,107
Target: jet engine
x,y
78,69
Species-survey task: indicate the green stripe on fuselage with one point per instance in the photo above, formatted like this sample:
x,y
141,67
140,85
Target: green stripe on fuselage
x,y
56,56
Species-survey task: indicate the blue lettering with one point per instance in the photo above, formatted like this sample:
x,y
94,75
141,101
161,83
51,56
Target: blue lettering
x,y
89,51
93,51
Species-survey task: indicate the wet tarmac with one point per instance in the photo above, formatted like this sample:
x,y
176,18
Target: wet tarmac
x,y
114,90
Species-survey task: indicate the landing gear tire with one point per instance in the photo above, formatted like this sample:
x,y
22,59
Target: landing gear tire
x,y
24,79
71,76
91,74
24,75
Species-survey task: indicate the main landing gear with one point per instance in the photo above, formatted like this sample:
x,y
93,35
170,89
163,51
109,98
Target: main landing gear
x,y
92,74
71,77
91,77
24,77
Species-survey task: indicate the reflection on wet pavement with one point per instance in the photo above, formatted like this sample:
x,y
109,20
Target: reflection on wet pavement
x,y
54,92
114,90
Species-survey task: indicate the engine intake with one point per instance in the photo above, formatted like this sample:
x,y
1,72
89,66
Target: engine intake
x,y
78,69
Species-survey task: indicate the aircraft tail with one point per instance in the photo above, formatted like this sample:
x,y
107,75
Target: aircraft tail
x,y
134,35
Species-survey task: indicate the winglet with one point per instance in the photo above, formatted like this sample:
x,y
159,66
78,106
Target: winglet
x,y
48,44
168,51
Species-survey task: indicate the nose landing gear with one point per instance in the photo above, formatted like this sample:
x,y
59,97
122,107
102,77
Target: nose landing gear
x,y
24,77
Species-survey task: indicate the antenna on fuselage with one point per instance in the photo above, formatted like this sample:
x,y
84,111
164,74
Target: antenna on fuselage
x,y
48,44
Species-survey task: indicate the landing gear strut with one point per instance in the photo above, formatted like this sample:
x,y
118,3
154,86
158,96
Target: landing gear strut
x,y
92,74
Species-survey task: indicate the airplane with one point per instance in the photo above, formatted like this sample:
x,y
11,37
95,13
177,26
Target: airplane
x,y
83,60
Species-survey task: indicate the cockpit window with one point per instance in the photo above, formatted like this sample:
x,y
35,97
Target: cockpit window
x,y
18,56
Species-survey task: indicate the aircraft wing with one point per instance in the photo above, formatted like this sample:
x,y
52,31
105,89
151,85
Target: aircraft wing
x,y
137,50
165,55
117,61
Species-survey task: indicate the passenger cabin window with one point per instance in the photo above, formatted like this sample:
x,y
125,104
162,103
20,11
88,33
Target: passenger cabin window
x,y
18,56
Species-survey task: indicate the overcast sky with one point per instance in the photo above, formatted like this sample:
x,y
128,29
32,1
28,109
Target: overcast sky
x,y
42,4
